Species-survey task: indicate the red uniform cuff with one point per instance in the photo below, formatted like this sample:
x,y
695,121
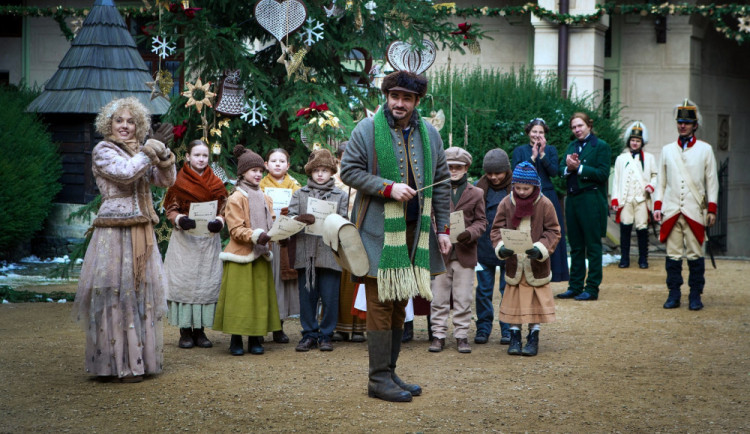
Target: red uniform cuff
x,y
650,188
386,191
712,208
657,205
615,203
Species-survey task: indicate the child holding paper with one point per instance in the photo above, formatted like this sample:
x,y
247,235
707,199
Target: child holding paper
x,y
319,275
458,281
284,276
528,297
247,300
192,265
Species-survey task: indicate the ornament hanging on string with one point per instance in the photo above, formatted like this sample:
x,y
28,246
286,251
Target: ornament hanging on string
x,y
333,11
294,65
280,19
436,119
198,94
312,32
744,24
254,112
230,98
404,57
162,46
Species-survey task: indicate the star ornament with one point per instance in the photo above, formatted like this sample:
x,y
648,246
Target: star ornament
x,y
198,94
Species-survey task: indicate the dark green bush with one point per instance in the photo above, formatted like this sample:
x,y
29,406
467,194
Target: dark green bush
x,y
29,170
497,106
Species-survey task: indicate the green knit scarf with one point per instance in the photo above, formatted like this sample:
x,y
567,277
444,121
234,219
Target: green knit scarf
x,y
398,278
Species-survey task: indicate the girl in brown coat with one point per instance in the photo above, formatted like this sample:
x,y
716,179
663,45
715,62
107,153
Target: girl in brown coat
x,y
528,297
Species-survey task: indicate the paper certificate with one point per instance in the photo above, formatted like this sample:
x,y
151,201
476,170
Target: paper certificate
x,y
320,209
457,225
518,241
281,198
202,213
284,227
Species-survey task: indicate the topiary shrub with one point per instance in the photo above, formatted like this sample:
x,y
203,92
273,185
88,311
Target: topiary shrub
x,y
29,170
497,106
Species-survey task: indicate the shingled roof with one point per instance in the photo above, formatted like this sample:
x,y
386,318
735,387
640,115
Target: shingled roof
x,y
102,64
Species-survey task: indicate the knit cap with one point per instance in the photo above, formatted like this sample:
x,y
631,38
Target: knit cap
x,y
525,173
321,158
496,161
246,159
456,155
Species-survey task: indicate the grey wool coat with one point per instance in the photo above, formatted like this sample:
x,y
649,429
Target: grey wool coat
x,y
312,246
358,171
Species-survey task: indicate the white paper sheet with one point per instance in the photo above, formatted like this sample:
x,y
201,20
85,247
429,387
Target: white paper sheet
x,y
202,213
320,209
284,227
281,198
518,241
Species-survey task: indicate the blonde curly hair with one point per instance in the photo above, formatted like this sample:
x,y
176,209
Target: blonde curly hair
x,y
139,112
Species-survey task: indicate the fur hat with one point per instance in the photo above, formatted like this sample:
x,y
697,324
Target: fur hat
x,y
456,155
525,173
321,158
637,130
405,81
246,159
496,161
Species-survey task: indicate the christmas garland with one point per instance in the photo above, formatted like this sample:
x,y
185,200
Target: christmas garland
x,y
718,14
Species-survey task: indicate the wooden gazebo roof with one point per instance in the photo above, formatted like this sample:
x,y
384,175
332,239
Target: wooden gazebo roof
x,y
102,64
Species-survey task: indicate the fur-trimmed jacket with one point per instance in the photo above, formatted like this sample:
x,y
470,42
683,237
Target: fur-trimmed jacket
x,y
545,232
243,237
123,178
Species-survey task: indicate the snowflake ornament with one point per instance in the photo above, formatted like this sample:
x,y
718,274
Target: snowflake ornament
x,y
744,25
162,46
312,32
198,94
254,113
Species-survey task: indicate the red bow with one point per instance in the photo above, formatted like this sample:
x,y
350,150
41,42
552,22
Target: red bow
x,y
179,130
463,29
190,12
313,106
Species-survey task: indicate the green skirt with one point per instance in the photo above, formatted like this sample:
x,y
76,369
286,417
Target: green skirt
x,y
247,300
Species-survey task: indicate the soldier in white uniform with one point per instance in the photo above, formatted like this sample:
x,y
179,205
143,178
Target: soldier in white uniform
x,y
686,195
634,182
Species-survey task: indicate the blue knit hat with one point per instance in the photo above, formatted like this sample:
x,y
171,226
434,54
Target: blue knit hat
x,y
525,173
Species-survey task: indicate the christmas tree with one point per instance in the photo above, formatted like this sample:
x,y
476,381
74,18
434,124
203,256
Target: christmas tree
x,y
286,70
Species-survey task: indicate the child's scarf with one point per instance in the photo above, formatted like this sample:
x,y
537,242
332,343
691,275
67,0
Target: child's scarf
x,y
269,181
398,279
524,207
190,187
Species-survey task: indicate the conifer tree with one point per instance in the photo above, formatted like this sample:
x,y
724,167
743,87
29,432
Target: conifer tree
x,y
219,35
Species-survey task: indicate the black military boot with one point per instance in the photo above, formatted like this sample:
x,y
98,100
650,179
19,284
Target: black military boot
x,y
642,247
625,231
514,349
532,344
674,282
696,281
429,329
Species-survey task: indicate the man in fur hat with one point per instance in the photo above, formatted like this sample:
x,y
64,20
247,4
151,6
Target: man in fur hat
x,y
392,160
686,196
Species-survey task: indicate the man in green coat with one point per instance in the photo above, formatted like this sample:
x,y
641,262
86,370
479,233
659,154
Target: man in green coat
x,y
585,166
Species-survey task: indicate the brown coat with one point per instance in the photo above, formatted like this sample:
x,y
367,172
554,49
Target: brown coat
x,y
545,232
471,203
242,236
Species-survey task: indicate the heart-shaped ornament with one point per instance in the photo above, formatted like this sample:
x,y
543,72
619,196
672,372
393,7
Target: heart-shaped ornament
x,y
280,18
403,57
